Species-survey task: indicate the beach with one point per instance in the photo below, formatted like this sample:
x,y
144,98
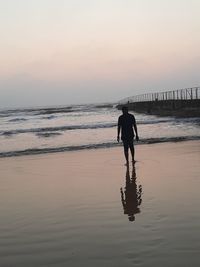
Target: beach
x,y
85,208
82,83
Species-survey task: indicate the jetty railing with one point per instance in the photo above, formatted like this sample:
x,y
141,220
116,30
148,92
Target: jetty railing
x,y
180,94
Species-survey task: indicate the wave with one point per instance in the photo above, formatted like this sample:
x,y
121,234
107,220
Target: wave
x,y
169,139
59,128
54,110
17,120
36,111
77,108
154,121
49,111
169,120
92,126
7,133
49,117
104,106
48,134
37,151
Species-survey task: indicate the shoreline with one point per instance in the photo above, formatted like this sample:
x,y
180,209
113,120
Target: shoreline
x,y
119,146
95,147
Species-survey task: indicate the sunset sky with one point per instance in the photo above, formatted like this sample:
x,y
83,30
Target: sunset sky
x,y
83,51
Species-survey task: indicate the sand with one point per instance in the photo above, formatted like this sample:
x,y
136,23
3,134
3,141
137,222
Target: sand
x,y
84,208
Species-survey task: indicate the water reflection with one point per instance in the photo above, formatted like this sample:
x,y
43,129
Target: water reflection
x,y
131,196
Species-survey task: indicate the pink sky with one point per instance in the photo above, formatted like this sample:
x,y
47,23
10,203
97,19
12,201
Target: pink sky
x,y
96,51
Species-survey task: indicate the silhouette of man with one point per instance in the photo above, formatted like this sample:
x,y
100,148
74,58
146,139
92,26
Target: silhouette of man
x,y
126,122
131,196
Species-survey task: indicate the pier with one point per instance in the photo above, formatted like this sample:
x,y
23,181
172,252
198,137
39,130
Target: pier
x,y
181,103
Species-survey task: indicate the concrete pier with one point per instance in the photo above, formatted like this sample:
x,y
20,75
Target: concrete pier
x,y
181,103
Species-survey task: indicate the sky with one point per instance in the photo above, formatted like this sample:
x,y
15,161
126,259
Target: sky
x,y
60,52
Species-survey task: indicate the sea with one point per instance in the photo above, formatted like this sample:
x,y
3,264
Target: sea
x,y
28,131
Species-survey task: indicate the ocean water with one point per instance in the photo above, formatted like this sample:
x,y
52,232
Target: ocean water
x,y
66,128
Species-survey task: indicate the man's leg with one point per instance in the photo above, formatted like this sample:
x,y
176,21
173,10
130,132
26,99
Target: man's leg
x,y
125,143
132,150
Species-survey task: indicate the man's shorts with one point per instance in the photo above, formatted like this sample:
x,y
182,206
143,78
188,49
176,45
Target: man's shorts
x,y
128,143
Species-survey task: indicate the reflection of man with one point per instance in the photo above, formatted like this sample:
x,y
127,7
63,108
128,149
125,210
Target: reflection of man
x,y
126,122
132,196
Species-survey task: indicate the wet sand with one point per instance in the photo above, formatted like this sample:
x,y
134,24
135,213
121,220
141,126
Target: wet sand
x,y
86,208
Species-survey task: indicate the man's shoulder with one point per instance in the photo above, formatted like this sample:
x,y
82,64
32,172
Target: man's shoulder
x,y
131,116
126,118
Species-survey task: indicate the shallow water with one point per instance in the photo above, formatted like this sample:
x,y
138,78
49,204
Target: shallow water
x,y
68,211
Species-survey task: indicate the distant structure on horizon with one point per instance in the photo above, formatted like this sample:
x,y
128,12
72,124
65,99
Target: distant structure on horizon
x,y
181,103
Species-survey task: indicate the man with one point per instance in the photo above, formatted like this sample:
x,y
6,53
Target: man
x,y
126,122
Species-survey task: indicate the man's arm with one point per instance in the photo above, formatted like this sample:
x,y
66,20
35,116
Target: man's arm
x,y
136,132
118,130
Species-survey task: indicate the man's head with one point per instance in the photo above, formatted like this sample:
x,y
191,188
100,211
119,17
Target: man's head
x,y
124,109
